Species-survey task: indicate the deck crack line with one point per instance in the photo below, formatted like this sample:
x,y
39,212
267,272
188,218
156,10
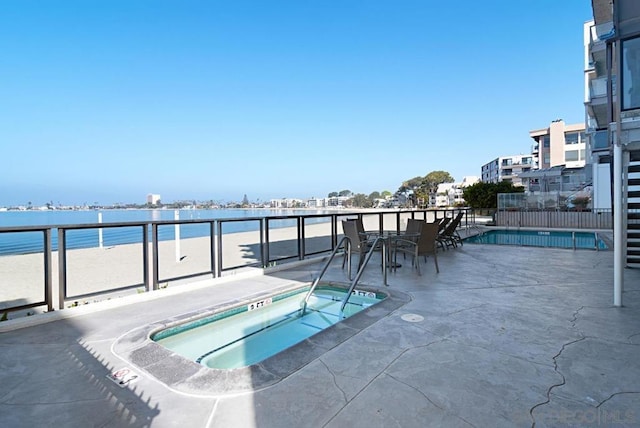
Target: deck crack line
x,y
614,394
335,382
465,309
574,320
383,371
633,335
555,368
430,400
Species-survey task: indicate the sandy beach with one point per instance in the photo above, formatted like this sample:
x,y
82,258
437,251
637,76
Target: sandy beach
x,y
97,270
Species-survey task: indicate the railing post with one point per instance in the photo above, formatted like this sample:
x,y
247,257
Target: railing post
x,y
62,269
176,217
145,257
155,259
219,249
213,248
264,242
48,270
301,246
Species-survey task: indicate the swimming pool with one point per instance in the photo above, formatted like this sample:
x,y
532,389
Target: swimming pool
x,y
537,238
250,333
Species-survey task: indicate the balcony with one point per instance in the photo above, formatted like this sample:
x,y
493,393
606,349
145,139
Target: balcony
x,y
598,88
599,141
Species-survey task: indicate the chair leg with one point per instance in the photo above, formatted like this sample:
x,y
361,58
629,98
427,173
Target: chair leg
x,y
435,259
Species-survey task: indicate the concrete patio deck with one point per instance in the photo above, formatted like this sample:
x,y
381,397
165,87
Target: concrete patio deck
x,y
502,336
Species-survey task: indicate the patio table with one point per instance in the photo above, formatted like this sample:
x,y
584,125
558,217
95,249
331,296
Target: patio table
x,y
389,236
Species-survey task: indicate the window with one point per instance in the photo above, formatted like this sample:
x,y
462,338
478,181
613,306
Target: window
x,y
506,162
526,161
506,172
631,74
571,138
571,155
546,141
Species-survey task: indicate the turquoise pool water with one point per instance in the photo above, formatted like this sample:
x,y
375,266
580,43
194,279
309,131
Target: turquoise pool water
x,y
535,238
249,334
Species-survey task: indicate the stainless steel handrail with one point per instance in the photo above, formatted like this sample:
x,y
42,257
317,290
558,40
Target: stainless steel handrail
x,y
324,270
364,264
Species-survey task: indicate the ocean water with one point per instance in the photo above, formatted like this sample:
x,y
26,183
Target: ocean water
x,y
32,242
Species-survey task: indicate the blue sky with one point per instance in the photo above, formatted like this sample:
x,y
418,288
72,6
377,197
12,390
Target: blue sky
x,y
106,101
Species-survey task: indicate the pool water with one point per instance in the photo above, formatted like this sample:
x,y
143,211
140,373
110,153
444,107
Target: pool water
x,y
249,334
535,238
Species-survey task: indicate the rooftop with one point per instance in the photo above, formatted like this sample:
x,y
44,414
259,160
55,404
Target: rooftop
x,y
502,336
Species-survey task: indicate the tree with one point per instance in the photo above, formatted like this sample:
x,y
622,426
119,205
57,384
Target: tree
x,y
433,179
345,193
485,195
332,195
423,187
410,185
360,200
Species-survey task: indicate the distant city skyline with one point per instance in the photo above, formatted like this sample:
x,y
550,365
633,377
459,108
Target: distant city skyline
x,y
199,100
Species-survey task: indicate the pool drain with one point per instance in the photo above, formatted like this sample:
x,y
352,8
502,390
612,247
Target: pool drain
x,y
412,317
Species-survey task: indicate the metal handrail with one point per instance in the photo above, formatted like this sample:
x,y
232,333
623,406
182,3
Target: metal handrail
x,y
324,269
364,264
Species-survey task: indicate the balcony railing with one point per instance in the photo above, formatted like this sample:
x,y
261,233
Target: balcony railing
x,y
65,265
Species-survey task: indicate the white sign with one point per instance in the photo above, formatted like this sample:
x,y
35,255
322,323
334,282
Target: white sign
x,y
123,377
361,293
259,304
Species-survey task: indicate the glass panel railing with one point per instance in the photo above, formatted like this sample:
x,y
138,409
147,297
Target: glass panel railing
x,y
598,87
599,140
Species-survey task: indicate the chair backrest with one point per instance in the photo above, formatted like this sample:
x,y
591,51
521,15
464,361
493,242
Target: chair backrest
x,y
444,221
457,219
427,242
350,229
414,226
359,225
453,225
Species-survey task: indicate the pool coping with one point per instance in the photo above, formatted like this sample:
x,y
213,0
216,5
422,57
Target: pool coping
x,y
184,375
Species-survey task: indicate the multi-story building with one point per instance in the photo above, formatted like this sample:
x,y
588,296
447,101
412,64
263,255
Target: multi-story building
x,y
153,199
559,144
450,194
597,115
507,168
612,82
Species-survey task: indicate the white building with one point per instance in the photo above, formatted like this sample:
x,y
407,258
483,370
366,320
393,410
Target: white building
x,y
450,194
559,144
612,101
316,202
153,199
508,168
286,203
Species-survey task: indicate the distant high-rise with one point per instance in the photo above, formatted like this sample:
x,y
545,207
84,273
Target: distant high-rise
x,y
153,199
